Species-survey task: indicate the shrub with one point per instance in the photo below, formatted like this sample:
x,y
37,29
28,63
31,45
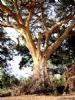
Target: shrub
x,y
58,85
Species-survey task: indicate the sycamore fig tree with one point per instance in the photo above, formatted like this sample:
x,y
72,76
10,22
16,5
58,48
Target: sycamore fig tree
x,y
32,19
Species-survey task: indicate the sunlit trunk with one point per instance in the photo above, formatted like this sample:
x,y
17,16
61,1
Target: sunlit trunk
x,y
40,69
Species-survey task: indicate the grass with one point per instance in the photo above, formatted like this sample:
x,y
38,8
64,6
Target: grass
x,y
4,92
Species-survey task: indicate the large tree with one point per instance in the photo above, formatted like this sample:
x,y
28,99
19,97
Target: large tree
x,y
31,18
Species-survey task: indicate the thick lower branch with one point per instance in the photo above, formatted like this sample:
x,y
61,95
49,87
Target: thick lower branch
x,y
39,43
29,42
51,49
55,27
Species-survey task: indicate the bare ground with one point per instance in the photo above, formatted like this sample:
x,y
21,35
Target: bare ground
x,y
34,97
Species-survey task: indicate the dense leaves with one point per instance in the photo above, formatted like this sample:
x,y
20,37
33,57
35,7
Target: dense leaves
x,y
6,51
68,2
7,81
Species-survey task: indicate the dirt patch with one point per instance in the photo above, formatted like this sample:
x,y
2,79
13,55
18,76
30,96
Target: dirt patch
x,y
34,97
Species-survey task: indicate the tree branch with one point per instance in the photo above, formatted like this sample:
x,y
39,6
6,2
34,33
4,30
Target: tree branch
x,y
55,27
28,18
15,3
25,30
51,49
39,42
28,34
7,24
28,39
8,11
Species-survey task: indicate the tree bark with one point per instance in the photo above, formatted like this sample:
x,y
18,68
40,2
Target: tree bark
x,y
40,81
39,67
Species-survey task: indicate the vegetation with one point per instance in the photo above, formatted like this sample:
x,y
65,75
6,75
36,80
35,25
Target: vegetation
x,y
7,82
58,85
43,35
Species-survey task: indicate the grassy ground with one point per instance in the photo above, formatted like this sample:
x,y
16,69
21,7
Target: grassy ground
x,y
34,97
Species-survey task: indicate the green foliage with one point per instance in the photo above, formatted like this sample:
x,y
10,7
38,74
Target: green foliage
x,y
58,82
2,91
58,85
26,59
65,54
5,92
23,49
5,50
8,81
68,2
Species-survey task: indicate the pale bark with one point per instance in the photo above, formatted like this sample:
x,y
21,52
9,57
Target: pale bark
x,y
40,70
29,42
51,49
39,57
53,28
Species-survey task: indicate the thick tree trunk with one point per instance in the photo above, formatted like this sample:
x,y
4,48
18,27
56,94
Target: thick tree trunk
x,y
40,69
40,81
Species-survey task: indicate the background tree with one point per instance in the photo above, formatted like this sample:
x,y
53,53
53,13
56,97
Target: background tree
x,y
65,54
31,19
8,81
7,47
7,51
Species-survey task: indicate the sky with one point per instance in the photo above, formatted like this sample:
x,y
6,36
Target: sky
x,y
19,73
14,64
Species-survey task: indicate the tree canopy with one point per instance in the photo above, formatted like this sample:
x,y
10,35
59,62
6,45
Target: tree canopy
x,y
45,26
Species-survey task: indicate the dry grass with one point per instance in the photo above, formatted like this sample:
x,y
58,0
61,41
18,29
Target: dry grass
x,y
34,97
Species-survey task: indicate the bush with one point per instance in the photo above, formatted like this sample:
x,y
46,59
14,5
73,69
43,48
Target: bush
x,y
4,92
58,85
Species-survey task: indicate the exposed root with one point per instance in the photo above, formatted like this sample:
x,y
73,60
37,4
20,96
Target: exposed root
x,y
37,86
